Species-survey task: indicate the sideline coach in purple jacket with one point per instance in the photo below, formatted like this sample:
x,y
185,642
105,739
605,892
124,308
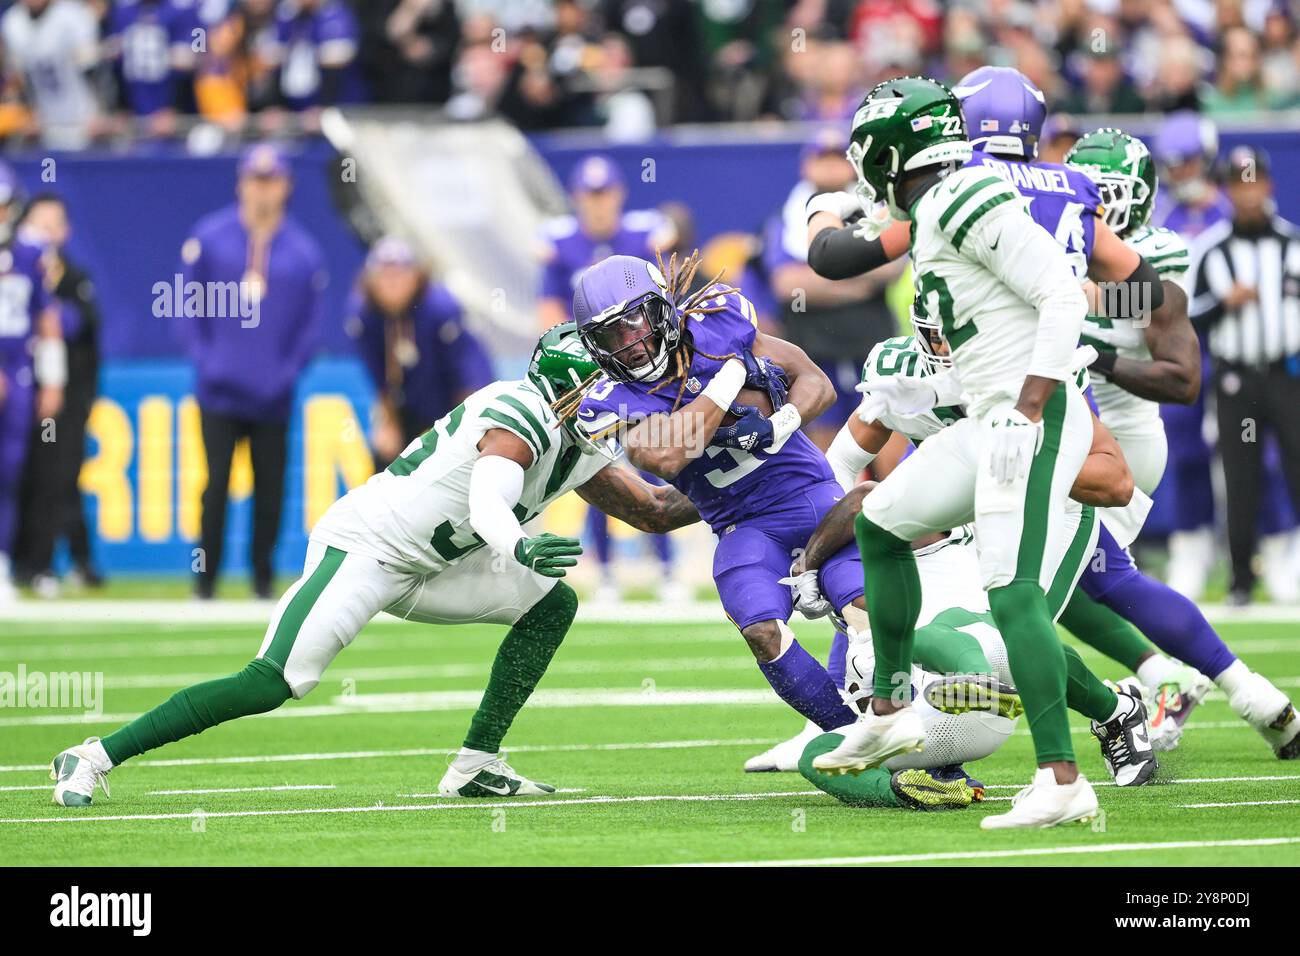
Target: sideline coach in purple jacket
x,y
262,277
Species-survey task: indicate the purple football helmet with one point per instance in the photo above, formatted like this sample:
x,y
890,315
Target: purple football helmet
x,y
1004,111
626,319
1183,135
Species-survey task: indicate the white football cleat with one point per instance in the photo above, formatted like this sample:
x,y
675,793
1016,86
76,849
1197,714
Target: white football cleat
x,y
784,757
871,740
1269,711
1171,704
76,772
1046,803
496,778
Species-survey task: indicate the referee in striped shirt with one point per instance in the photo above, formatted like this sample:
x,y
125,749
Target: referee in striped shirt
x,y
1246,299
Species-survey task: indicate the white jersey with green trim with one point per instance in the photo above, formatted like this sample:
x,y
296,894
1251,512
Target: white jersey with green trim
x,y
415,513
901,355
1124,413
981,272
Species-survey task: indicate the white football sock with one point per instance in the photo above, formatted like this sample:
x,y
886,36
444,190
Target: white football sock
x,y
1124,706
1233,678
99,756
467,761
1157,670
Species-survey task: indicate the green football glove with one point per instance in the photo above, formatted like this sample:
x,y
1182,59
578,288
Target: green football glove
x,y
548,554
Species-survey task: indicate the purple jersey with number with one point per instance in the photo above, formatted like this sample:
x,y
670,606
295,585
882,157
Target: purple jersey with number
x,y
1063,200
726,485
22,299
145,32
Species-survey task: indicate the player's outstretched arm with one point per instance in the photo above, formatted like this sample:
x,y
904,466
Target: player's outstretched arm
x,y
665,444
622,493
495,485
1174,372
855,446
835,529
1105,480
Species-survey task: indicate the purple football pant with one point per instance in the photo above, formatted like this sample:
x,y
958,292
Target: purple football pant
x,y
15,432
754,554
1170,621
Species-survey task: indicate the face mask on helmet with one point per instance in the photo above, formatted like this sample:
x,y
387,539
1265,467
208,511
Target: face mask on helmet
x,y
1120,194
929,337
632,346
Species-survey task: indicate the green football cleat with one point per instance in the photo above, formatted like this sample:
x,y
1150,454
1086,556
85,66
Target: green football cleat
x,y
494,779
922,790
966,693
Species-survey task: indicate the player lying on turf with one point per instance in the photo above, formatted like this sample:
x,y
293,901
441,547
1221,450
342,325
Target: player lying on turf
x,y
966,701
436,538
674,365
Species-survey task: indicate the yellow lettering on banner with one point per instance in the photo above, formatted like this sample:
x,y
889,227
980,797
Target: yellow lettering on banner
x,y
192,469
105,475
335,445
155,468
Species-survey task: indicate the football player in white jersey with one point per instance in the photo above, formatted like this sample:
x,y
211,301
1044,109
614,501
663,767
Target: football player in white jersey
x,y
1005,295
966,701
437,537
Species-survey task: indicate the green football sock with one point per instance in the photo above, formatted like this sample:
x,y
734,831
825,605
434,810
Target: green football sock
x,y
893,591
942,649
1101,628
1084,692
522,659
868,789
259,687
1037,660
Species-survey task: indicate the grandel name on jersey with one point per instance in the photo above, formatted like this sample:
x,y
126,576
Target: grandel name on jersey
x,y
1025,176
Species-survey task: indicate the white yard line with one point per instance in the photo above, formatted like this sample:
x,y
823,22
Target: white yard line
x,y
427,796
519,803
418,752
1239,803
35,786
1005,854
187,612
451,700
287,786
1162,783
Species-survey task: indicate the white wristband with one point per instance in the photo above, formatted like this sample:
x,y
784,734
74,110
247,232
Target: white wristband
x,y
726,385
785,422
50,362
847,458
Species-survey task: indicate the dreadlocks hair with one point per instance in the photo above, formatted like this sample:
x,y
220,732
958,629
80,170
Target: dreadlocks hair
x,y
678,276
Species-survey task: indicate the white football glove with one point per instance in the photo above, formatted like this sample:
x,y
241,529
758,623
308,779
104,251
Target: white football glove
x,y
1014,441
808,598
899,394
1084,356
876,220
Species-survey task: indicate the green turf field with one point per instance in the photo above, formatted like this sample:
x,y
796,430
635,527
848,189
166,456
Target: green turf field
x,y
644,726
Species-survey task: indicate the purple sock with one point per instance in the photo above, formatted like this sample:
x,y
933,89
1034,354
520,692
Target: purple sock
x,y
837,660
804,684
1170,621
663,549
598,535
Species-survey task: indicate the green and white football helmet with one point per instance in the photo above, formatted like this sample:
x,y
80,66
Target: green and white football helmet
x,y
561,364
1123,168
904,125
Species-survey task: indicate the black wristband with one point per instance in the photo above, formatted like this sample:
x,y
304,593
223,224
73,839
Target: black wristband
x,y
1104,364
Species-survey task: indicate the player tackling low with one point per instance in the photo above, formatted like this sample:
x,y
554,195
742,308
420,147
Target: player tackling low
x,y
435,538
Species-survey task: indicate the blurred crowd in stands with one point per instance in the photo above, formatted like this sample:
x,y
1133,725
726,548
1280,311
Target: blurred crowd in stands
x,y
76,71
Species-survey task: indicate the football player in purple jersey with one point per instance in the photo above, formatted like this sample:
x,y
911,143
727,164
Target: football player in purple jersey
x,y
674,366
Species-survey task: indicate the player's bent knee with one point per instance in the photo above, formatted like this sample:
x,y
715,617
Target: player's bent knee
x,y
767,639
264,687
553,613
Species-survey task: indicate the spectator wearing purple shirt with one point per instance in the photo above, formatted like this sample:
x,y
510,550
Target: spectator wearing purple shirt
x,y
151,45
598,229
247,363
411,337
316,43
